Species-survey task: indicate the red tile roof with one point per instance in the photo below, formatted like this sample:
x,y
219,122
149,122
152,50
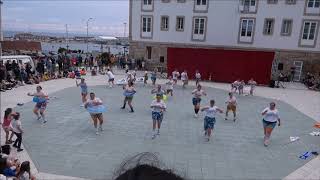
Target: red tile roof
x,y
20,45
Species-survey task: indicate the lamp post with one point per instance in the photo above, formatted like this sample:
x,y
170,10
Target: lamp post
x,y
88,34
125,29
1,34
67,37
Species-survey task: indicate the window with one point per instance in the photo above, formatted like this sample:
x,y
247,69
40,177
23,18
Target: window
x,y
309,30
290,1
181,1
161,59
247,27
180,23
272,1
146,26
165,1
286,27
268,26
248,6
147,2
201,2
164,23
313,3
199,26
149,51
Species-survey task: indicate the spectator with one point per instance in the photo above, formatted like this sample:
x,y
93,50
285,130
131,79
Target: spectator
x,y
24,172
9,67
11,167
17,129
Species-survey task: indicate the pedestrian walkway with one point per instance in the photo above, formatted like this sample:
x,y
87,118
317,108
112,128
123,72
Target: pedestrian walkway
x,y
183,150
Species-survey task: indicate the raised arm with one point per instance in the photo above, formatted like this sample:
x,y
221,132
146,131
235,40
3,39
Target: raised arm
x,y
205,108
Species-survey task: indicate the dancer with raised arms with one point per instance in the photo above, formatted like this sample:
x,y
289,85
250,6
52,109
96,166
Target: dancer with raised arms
x,y
210,118
40,98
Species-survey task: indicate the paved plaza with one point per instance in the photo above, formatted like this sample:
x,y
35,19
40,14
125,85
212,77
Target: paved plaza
x,y
67,144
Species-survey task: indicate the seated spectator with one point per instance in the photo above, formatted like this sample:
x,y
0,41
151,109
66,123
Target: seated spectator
x,y
71,74
83,72
24,173
46,76
94,72
11,167
77,73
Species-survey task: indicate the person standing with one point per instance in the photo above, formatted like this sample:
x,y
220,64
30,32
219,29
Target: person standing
x,y
154,76
170,84
158,107
197,99
40,99
252,85
17,129
231,106
210,118
270,119
129,92
145,79
184,78
84,90
198,77
95,107
111,78
175,75
158,91
8,113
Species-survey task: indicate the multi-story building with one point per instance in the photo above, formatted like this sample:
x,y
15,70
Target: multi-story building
x,y
227,39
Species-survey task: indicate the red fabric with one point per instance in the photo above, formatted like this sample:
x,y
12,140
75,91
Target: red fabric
x,y
223,65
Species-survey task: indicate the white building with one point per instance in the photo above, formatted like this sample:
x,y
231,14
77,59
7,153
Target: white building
x,y
289,28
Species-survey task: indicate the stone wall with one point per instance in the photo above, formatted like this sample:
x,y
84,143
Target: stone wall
x,y
311,61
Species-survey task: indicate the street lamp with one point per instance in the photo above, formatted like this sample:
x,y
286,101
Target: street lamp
x,y
1,34
125,29
88,34
67,37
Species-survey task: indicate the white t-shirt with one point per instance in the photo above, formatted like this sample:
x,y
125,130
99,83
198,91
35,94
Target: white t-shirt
x,y
158,106
170,84
232,101
110,75
95,100
198,76
252,84
14,125
271,115
175,75
184,76
197,93
211,112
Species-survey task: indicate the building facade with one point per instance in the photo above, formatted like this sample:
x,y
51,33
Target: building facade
x,y
173,33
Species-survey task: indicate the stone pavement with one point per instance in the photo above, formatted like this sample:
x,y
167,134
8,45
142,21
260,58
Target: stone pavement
x,y
68,146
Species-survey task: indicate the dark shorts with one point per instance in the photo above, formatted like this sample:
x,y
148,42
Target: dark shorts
x,y
96,116
196,101
157,116
169,90
209,123
84,93
111,79
42,105
153,78
267,124
129,98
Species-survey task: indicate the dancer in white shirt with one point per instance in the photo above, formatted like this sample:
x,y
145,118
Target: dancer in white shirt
x,y
184,78
170,84
270,119
198,77
175,76
158,107
210,118
111,78
252,85
197,99
231,106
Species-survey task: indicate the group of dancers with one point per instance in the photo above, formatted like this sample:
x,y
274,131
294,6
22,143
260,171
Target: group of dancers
x,y
95,106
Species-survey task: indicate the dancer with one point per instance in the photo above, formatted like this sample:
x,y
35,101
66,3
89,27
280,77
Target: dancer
x,y
8,113
84,90
210,118
184,78
95,107
111,78
154,76
231,106
40,99
241,86
198,77
197,99
271,116
235,86
175,75
252,85
17,129
145,80
158,107
169,84
158,91
129,92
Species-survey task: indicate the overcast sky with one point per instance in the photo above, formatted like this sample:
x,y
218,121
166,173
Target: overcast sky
x,y
52,15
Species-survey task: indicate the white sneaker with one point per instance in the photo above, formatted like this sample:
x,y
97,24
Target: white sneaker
x,y
196,115
158,133
82,105
100,128
97,132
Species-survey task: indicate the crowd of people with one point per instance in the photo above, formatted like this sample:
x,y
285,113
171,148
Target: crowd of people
x,y
312,81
